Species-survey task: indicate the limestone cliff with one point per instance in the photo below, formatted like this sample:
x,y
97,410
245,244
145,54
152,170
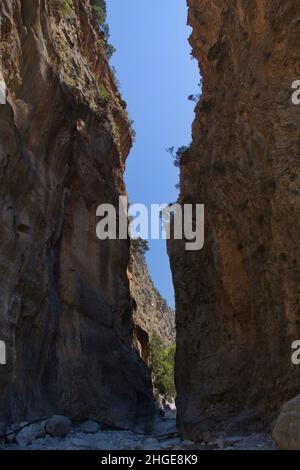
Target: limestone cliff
x,y
237,300
65,304
152,315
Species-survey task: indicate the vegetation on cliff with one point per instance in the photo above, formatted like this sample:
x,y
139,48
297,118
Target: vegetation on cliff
x,y
154,320
162,360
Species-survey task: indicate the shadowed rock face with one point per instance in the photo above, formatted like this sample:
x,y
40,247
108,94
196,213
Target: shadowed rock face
x,y
237,300
65,306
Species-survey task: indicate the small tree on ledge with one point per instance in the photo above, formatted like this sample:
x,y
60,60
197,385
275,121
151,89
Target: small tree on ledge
x,y
139,245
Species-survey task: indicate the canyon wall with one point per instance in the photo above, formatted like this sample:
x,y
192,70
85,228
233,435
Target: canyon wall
x,y
237,300
65,304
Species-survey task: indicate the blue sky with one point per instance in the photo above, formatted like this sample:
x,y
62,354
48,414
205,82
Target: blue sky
x,y
156,75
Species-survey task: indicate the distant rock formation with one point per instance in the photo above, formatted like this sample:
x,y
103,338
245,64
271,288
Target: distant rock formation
x,y
152,315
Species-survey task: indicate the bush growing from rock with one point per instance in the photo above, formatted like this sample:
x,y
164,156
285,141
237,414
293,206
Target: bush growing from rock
x,y
62,6
139,245
162,364
99,10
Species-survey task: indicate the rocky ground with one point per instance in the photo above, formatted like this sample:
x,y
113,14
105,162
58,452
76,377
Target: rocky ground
x,y
57,433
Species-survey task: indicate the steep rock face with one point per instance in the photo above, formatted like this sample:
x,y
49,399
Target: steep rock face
x,y
237,300
65,305
152,315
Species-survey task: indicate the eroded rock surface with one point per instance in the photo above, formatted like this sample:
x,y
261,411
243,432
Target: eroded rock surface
x,y
152,315
65,304
237,300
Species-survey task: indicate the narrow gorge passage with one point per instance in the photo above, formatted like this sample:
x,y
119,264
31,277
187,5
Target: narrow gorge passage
x,y
160,100
86,338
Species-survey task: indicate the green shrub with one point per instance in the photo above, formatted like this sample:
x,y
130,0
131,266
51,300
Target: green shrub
x,y
123,103
104,95
110,50
132,130
177,154
99,10
139,245
98,14
62,6
105,31
162,364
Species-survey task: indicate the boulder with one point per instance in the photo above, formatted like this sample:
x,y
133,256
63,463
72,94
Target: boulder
x,y
90,427
286,431
27,435
58,426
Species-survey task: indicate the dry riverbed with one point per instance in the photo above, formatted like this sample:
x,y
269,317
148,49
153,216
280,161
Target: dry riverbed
x,y
59,434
